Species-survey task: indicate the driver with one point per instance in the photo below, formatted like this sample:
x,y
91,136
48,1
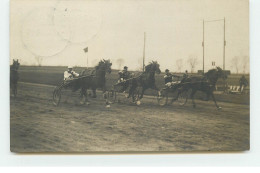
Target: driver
x,y
167,76
70,74
185,76
124,74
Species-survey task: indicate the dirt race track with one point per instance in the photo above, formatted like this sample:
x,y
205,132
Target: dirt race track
x,y
38,126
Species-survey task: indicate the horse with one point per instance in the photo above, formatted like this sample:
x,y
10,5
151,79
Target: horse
x,y
96,79
14,76
205,83
145,80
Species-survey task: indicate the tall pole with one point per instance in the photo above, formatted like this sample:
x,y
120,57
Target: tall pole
x,y
87,59
224,51
224,45
144,53
203,44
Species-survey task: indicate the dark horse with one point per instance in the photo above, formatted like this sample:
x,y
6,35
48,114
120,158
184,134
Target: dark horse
x,y
145,80
205,83
94,80
14,76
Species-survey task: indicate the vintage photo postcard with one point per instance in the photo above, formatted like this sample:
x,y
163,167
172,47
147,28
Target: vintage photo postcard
x,y
129,76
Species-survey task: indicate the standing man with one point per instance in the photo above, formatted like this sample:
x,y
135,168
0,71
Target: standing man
x,y
243,83
70,74
185,75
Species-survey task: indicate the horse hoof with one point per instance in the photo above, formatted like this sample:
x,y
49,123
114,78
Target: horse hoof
x,y
138,103
107,106
219,108
82,103
87,103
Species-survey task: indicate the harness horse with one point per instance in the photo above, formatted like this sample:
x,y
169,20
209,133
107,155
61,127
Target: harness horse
x,y
138,85
205,83
93,80
14,76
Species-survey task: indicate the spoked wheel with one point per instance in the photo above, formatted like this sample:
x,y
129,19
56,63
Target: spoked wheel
x,y
162,98
183,97
56,96
112,96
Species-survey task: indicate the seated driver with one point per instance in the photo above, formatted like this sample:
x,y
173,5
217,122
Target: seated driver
x,y
70,74
167,76
124,75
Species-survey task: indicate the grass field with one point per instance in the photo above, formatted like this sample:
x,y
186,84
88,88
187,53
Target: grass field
x,y
39,126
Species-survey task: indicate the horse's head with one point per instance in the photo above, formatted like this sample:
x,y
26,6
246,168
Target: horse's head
x,y
221,73
15,64
214,74
108,66
153,67
104,65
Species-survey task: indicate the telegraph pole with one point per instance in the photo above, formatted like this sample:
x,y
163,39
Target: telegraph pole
x,y
224,45
224,51
203,46
144,53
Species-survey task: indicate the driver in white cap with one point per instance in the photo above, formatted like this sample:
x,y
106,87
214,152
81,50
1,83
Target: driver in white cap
x,y
70,74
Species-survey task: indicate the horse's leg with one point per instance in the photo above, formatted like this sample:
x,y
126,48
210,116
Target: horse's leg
x,y
12,87
132,88
142,93
82,96
94,93
192,97
208,95
213,97
157,89
106,96
15,90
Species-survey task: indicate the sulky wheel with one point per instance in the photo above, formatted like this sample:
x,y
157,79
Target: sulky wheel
x,y
183,97
112,96
162,98
56,96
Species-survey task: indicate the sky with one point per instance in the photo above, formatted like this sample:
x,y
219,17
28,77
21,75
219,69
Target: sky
x,y
56,32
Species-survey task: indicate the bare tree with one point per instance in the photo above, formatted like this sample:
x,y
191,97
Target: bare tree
x,y
193,61
120,62
235,63
39,60
245,64
179,64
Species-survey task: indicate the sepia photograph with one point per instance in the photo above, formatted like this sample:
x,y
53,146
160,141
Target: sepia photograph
x,y
133,76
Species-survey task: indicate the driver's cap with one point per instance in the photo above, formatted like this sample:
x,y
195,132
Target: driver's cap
x,y
70,66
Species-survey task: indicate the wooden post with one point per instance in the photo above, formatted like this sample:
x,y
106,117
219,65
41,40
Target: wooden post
x,y
203,44
87,59
224,51
144,53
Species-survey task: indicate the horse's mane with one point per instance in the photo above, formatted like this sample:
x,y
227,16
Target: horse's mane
x,y
101,63
217,69
149,66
